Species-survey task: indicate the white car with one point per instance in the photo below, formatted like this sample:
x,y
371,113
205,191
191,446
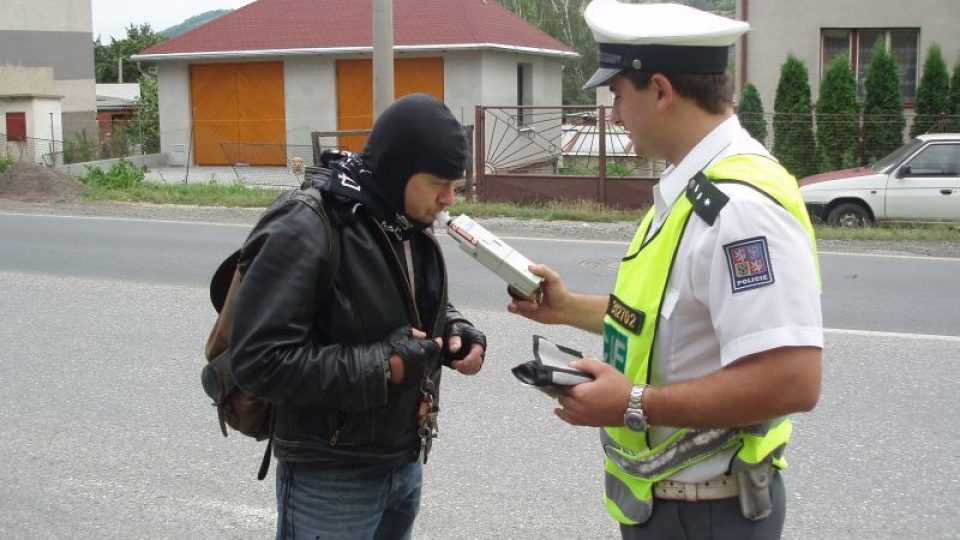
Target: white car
x,y
920,181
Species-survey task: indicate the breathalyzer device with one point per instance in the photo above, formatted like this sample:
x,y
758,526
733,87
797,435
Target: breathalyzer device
x,y
492,252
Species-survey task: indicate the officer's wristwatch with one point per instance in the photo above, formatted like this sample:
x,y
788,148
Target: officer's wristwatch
x,y
634,418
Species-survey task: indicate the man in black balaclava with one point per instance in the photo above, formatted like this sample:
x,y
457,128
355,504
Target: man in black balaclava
x,y
353,364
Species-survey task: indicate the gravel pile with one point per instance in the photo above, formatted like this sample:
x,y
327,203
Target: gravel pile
x,y
32,182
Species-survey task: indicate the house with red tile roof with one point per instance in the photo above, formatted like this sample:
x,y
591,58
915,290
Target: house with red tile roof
x,y
265,76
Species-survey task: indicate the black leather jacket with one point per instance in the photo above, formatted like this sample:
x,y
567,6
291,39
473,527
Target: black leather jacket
x,y
320,357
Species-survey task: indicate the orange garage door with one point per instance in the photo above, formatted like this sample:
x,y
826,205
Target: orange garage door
x,y
238,113
355,90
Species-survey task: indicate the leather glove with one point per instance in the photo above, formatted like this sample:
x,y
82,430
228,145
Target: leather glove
x,y
417,354
469,335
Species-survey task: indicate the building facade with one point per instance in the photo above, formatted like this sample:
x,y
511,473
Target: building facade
x,y
46,56
816,31
262,78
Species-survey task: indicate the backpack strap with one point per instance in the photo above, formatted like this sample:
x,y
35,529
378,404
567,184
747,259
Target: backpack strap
x,y
311,197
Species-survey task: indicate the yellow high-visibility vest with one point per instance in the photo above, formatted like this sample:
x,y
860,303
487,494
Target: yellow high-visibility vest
x,y
630,328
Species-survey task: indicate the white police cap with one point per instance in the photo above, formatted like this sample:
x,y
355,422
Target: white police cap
x,y
667,38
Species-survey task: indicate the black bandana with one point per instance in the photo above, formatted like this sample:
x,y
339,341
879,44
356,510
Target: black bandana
x,y
351,179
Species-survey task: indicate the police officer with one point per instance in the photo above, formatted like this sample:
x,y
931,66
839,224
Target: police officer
x,y
713,333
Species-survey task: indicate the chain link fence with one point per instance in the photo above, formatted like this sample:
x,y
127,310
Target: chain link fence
x,y
812,144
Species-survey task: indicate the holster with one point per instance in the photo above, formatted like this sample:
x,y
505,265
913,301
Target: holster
x,y
754,482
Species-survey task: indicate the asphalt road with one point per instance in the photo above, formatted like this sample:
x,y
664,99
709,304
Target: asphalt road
x,y
106,433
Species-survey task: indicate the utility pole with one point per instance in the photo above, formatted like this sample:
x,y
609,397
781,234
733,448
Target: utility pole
x,y
120,68
382,55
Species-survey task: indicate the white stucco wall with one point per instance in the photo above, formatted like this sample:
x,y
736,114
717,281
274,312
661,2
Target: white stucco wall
x,y
173,93
47,15
780,27
461,72
44,126
311,98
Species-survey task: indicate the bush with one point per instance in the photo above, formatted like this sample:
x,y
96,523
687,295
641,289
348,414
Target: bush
x,y
750,111
5,163
838,116
80,149
793,142
883,120
122,175
933,94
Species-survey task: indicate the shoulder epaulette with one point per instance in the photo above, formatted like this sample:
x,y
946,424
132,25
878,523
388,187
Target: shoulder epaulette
x,y
706,198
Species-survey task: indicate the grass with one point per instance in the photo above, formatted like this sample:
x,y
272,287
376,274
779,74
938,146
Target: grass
x,y
231,195
237,195
893,232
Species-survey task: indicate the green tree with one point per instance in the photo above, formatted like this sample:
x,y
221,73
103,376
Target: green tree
x,y
750,111
883,120
838,116
793,141
933,94
108,58
144,130
955,97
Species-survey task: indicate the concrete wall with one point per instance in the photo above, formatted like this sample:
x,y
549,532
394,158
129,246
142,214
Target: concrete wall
x,y
57,35
780,27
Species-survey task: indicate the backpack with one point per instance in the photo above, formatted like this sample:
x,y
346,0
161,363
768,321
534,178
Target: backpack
x,y
240,411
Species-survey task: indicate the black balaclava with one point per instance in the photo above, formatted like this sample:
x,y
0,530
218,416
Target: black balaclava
x,y
416,134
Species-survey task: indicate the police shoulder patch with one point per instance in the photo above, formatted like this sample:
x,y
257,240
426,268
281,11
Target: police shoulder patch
x,y
749,263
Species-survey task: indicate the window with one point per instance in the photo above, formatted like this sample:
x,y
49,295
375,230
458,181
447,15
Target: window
x,y
524,93
16,126
936,160
903,44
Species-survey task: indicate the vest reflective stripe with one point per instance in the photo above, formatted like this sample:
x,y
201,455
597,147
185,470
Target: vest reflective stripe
x,y
625,505
679,451
631,466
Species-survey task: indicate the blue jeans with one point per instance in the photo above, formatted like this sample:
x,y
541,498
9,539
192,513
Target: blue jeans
x,y
362,503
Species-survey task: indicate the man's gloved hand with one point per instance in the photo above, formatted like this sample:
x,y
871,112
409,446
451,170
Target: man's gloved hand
x,y
464,347
415,351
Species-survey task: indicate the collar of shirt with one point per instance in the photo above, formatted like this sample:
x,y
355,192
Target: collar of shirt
x,y
675,177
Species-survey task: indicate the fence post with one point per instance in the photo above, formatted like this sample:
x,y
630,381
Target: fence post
x,y
478,152
602,179
468,186
315,143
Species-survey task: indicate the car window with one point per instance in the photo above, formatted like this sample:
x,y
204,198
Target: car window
x,y
894,157
936,160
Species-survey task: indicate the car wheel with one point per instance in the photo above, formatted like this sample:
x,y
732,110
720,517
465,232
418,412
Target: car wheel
x,y
848,215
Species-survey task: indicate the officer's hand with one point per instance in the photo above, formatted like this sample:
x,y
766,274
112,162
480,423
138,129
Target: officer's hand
x,y
554,297
465,347
599,403
410,353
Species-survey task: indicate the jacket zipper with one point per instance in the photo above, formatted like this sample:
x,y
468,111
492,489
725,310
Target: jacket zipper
x,y
398,267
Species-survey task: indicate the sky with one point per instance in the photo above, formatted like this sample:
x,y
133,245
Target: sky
x,y
112,17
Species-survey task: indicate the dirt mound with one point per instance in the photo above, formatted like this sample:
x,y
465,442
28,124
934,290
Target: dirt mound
x,y
35,183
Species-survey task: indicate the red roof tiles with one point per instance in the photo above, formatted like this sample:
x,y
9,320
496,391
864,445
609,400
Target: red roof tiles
x,y
272,25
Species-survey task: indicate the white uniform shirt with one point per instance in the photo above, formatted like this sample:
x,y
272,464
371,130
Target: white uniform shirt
x,y
704,324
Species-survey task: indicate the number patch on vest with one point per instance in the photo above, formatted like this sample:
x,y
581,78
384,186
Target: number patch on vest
x,y
629,318
749,263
